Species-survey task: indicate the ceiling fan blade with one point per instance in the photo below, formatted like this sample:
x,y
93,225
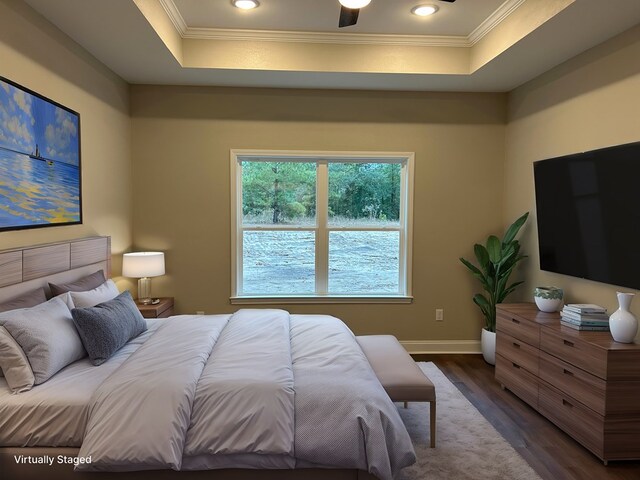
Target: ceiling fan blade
x,y
448,1
348,16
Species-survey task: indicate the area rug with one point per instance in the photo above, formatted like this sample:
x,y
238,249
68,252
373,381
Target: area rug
x,y
468,447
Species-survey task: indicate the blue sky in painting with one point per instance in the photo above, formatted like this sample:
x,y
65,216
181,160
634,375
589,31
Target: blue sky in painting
x,y
27,121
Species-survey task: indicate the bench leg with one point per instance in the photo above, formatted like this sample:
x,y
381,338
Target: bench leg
x,y
432,423
406,404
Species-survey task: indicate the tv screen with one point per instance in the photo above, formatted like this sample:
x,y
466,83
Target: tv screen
x,y
588,213
39,160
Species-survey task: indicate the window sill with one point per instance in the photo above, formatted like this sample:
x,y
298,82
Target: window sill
x,y
280,300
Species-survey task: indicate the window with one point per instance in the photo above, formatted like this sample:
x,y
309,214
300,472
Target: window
x,y
322,225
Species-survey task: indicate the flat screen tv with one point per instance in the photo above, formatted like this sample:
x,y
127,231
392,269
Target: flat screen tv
x,y
39,160
588,213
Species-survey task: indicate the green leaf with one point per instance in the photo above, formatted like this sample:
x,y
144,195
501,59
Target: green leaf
x,y
476,273
482,255
494,248
507,255
470,266
515,227
481,301
509,290
501,286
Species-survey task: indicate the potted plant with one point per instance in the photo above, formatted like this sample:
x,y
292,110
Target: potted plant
x,y
496,261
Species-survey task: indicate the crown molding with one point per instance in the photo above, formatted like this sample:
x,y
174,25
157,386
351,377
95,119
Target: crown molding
x,y
325,37
492,21
175,16
497,17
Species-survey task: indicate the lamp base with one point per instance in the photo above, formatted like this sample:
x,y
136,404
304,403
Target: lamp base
x,y
144,290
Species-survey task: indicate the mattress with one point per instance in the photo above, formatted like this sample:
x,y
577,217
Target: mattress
x,y
55,413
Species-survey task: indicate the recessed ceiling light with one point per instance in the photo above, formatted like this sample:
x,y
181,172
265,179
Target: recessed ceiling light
x,y
424,10
245,4
354,3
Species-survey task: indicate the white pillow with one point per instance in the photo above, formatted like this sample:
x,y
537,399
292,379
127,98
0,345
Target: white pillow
x,y
47,336
105,292
14,362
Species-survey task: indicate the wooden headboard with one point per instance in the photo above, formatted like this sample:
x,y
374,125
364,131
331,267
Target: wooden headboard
x,y
27,268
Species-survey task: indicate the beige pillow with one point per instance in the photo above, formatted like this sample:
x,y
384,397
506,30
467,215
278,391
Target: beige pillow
x,y
105,292
14,363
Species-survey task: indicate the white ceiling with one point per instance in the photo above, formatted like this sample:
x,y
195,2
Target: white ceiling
x,y
118,34
380,16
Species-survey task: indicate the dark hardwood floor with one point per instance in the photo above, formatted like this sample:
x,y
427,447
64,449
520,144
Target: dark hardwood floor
x,y
549,451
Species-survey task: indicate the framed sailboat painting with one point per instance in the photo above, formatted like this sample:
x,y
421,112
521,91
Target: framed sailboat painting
x,y
40,180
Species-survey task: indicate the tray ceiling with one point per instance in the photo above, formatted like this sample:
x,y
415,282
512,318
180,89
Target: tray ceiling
x,y
471,45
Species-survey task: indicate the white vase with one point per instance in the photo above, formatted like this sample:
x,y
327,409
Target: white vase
x,y
488,345
623,324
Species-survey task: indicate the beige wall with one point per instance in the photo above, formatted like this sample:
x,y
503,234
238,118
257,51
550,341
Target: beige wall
x,y
181,142
35,54
179,138
589,102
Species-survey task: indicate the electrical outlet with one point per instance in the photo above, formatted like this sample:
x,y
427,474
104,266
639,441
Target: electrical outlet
x,y
439,314
200,312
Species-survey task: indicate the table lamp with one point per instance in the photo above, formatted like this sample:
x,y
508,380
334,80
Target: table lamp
x,y
143,266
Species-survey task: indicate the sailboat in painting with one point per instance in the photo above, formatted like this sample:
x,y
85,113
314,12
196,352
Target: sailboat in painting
x,y
36,156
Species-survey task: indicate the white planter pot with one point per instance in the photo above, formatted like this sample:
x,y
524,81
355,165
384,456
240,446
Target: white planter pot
x,y
488,344
623,324
548,299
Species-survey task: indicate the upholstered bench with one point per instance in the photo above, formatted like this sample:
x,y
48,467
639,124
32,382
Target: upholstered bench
x,y
401,377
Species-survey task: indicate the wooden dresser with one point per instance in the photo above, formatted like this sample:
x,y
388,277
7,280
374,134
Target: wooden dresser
x,y
584,382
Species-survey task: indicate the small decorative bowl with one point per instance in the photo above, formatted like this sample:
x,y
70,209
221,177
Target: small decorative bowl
x,y
548,299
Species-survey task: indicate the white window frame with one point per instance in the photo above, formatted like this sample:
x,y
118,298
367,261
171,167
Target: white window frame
x,y
322,229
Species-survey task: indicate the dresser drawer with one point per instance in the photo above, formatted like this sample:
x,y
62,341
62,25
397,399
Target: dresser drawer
x,y
518,352
571,349
519,328
574,382
582,423
517,380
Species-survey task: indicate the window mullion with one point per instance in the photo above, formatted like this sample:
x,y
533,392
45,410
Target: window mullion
x,y
322,233
237,253
402,254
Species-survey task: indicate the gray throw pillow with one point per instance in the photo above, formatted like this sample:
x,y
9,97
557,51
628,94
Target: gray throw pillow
x,y
46,335
82,285
108,326
26,300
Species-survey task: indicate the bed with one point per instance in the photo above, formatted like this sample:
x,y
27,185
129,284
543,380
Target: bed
x,y
254,394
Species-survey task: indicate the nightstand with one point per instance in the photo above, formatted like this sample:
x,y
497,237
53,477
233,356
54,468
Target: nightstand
x,y
163,309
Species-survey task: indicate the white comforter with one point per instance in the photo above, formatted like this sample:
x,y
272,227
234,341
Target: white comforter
x,y
259,389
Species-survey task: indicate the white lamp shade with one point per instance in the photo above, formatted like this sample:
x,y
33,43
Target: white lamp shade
x,y
143,264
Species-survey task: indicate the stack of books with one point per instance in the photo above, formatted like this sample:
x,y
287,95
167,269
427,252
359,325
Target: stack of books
x,y
585,316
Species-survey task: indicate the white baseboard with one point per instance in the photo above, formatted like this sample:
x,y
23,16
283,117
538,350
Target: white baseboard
x,y
442,346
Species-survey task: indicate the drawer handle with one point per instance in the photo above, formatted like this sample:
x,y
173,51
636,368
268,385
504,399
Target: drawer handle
x,y
568,343
566,404
567,372
515,321
517,345
515,365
